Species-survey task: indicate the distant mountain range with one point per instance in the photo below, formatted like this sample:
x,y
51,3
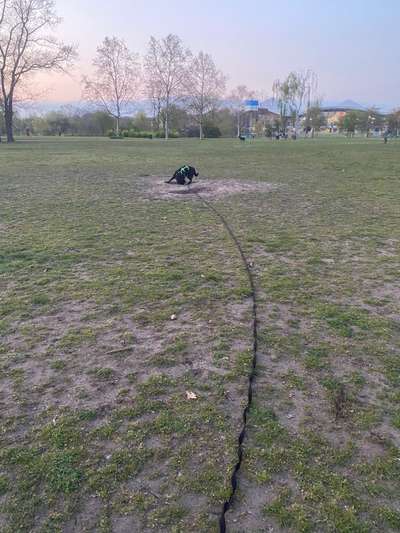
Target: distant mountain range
x,y
351,104
79,107
271,104
75,107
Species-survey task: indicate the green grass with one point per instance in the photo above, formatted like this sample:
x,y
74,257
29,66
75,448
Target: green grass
x,y
97,428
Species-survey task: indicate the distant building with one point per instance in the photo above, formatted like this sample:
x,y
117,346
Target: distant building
x,y
334,114
257,122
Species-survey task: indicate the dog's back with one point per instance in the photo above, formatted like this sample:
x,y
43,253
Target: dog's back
x,y
185,172
180,176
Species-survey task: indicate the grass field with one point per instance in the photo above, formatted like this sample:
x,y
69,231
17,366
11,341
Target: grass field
x,y
115,418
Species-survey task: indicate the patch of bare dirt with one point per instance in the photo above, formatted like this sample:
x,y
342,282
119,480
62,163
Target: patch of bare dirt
x,y
64,376
3,228
155,187
388,290
88,517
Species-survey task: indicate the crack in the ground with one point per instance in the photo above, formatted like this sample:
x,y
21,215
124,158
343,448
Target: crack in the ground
x,y
235,474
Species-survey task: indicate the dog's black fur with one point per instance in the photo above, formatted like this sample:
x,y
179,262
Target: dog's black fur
x,y
184,173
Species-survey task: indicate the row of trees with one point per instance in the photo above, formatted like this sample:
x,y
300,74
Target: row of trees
x,y
168,74
222,122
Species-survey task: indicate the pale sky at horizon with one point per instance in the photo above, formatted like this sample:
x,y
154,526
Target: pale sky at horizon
x,y
352,45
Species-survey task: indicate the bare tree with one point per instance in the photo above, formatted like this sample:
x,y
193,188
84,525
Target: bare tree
x,y
238,103
155,95
205,86
282,96
25,48
166,66
312,86
314,118
116,80
294,95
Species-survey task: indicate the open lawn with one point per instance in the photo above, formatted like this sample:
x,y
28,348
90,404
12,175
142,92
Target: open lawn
x,y
115,418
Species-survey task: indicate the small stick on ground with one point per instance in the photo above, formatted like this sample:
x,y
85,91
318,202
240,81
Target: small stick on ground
x,y
121,350
339,401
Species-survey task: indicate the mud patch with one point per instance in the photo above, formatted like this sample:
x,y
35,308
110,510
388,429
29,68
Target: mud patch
x,y
156,187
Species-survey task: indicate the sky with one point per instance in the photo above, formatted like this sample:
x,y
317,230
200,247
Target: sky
x,y
351,44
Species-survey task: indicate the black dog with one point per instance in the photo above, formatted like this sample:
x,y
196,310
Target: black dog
x,y
182,174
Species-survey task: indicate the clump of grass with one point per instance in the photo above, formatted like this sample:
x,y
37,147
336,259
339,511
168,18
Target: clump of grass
x,y
58,365
317,358
40,299
4,485
102,374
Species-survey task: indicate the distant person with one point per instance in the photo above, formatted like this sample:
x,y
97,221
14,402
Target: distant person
x,y
386,136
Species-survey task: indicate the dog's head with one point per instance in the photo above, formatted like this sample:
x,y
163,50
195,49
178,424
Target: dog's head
x,y
193,171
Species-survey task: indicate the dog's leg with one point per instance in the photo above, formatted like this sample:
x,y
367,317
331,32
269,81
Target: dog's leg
x,y
171,180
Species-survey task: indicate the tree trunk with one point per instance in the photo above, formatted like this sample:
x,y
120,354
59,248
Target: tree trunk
x,y
201,129
167,123
8,119
117,132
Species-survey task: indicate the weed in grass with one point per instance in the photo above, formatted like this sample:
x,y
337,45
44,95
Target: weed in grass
x,y
58,365
390,517
87,414
317,358
396,420
288,514
60,471
167,515
294,381
4,484
102,374
40,299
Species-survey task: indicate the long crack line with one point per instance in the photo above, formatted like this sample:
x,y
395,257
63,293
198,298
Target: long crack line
x,y
252,375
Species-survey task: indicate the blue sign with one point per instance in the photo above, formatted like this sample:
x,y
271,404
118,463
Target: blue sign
x,y
252,105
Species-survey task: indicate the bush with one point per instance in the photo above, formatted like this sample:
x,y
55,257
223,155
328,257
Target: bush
x,y
113,135
161,135
192,131
133,134
212,132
